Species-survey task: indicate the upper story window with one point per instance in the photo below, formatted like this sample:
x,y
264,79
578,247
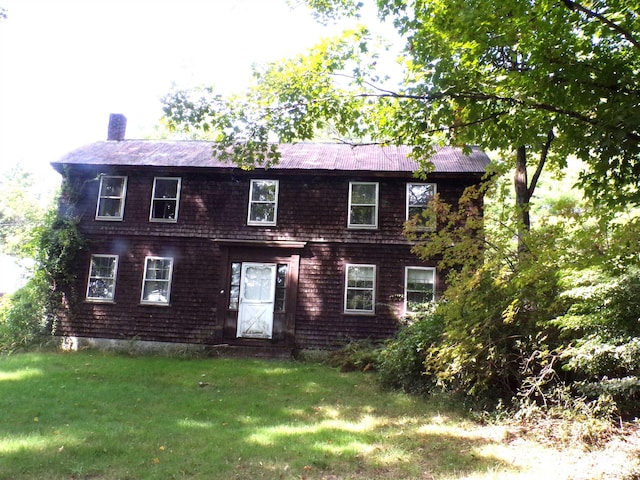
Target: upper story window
x,y
360,289
419,287
363,205
102,278
418,197
156,284
263,202
165,199
111,197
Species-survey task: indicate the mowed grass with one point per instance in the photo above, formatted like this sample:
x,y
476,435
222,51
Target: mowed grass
x,y
92,415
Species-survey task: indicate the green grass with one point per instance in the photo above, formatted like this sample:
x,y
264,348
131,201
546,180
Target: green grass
x,y
92,415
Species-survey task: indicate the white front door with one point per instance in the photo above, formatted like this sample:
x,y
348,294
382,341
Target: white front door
x,y
257,298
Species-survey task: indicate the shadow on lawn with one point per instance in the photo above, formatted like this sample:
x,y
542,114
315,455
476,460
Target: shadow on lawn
x,y
114,417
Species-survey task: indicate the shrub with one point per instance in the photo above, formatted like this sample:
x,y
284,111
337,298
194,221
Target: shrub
x,y
32,313
566,418
22,317
402,360
361,355
602,328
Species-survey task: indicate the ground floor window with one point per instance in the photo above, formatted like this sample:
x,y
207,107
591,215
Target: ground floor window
x,y
102,278
156,284
419,287
360,286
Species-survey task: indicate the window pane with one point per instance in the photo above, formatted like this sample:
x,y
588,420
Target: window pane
x,y
101,288
360,277
109,207
281,276
359,299
363,193
112,187
415,211
281,288
234,288
234,295
419,275
262,212
166,188
418,197
263,200
102,266
165,209
360,286
158,269
419,194
263,191
156,291
419,287
157,280
257,284
280,297
164,203
235,273
416,298
363,215
102,281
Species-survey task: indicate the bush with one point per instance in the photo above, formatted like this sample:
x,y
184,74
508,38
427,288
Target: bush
x,y
23,321
602,328
566,418
359,355
402,360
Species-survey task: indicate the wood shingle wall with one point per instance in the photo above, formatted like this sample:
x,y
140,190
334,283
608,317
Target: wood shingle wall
x,y
211,231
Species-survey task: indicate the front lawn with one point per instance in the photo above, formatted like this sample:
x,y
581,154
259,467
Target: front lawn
x,y
93,415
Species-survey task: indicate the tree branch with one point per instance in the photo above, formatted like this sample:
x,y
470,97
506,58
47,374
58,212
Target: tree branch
x,y
478,96
543,159
572,5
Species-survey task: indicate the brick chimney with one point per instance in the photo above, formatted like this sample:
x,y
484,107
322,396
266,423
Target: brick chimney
x,y
117,127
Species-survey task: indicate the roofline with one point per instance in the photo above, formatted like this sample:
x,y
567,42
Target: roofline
x,y
261,171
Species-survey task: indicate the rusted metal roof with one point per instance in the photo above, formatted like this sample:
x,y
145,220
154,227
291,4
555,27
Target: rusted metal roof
x,y
299,156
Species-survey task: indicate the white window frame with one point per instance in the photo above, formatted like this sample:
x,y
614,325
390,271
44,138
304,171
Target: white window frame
x,y
111,278
374,225
168,281
408,205
407,310
255,202
102,197
348,267
176,199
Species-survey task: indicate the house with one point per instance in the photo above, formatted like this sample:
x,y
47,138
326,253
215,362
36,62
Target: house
x,y
304,255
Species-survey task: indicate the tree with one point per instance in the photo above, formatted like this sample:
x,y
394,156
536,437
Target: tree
x,y
541,79
23,206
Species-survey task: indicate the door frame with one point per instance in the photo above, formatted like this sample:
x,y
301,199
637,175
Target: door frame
x,y
287,253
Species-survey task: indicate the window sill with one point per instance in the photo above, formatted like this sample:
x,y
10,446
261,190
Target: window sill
x,y
357,313
162,220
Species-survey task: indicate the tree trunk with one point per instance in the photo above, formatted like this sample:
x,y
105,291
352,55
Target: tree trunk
x,y
523,195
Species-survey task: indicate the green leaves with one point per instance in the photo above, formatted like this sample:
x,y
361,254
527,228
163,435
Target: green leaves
x,y
501,75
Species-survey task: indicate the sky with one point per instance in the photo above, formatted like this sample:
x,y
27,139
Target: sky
x,y
65,65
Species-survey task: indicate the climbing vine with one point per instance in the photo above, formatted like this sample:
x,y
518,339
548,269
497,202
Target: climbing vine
x,y
33,312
